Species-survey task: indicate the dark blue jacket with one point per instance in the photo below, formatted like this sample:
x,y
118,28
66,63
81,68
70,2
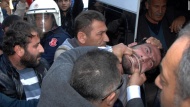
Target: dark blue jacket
x,y
6,101
51,41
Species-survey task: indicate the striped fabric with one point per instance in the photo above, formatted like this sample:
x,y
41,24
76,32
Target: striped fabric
x,y
30,83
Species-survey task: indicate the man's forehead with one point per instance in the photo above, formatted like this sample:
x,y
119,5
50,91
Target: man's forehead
x,y
144,45
178,48
156,2
99,26
171,61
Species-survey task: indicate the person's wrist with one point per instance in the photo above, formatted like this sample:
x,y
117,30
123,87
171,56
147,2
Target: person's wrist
x,y
107,48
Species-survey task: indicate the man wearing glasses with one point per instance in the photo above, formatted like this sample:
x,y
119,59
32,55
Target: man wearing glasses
x,y
96,77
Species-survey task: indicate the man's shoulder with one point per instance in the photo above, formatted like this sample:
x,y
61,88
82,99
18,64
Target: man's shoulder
x,y
62,48
7,74
67,44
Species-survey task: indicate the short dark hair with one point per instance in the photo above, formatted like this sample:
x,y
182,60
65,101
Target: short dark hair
x,y
183,77
18,34
95,74
9,20
84,20
149,1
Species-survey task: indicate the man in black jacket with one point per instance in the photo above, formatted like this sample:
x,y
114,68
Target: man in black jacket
x,y
69,13
21,68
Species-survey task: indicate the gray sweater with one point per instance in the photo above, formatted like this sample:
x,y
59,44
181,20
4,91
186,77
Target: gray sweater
x,y
56,90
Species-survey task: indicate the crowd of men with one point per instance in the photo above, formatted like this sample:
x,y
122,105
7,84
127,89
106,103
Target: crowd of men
x,y
55,54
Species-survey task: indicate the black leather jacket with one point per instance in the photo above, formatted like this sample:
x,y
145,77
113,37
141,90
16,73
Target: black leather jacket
x,y
10,83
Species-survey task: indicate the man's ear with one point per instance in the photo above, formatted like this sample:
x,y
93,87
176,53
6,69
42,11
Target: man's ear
x,y
110,100
81,36
147,5
19,50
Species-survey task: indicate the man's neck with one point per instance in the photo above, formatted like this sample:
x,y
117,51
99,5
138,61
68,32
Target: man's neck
x,y
150,20
79,43
65,13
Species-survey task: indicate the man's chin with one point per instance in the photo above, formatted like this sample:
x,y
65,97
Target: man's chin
x,y
159,19
38,61
144,70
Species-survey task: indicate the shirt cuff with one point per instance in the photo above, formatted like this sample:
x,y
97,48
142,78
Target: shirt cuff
x,y
133,92
107,48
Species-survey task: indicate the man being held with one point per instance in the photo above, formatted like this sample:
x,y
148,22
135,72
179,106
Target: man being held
x,y
62,69
95,35
145,57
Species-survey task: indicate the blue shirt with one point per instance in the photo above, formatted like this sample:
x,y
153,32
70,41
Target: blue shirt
x,y
51,41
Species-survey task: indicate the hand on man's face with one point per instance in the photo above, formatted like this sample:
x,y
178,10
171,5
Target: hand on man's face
x,y
136,78
120,50
145,57
155,42
150,40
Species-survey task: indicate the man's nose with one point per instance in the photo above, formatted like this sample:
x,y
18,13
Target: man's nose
x,y
160,10
158,82
41,49
145,59
105,38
